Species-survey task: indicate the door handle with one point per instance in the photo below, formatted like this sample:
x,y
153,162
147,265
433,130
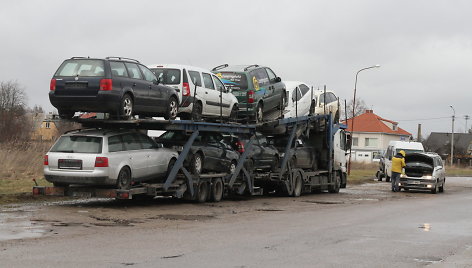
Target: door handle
x,y
206,92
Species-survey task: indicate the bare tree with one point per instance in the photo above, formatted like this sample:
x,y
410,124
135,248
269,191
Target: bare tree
x,y
12,111
361,107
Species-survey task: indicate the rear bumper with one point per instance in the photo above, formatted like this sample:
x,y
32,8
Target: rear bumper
x,y
104,101
79,180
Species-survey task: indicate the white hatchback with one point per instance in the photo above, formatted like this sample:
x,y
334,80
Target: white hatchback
x,y
201,92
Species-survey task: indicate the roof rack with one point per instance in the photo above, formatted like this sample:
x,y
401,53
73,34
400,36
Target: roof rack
x,y
220,67
122,58
250,66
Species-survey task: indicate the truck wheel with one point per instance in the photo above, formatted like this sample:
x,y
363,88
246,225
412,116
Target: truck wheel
x,y
337,184
217,190
196,164
123,181
202,192
297,184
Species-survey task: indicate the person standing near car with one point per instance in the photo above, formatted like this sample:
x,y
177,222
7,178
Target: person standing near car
x,y
398,163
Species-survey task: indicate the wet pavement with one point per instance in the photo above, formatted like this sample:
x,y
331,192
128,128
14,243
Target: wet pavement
x,y
362,226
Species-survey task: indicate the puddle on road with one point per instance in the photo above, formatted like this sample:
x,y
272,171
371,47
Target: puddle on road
x,y
426,227
428,260
17,225
183,217
324,202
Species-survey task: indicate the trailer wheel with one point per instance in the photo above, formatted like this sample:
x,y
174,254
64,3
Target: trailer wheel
x,y
297,184
202,192
337,184
217,190
124,179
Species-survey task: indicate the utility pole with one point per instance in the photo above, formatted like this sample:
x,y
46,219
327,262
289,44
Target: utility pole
x,y
466,117
452,135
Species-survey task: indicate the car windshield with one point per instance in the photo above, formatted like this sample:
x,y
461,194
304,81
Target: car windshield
x,y
81,67
78,144
167,76
233,81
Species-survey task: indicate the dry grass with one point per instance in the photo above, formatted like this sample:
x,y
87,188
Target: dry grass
x,y
21,162
361,172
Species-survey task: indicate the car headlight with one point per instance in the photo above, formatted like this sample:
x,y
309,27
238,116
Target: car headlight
x,y
403,176
429,177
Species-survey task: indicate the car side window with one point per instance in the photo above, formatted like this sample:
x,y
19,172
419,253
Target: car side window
x,y
115,144
304,89
195,77
296,94
271,74
322,98
148,75
146,142
219,84
207,81
133,70
131,143
332,97
259,78
118,69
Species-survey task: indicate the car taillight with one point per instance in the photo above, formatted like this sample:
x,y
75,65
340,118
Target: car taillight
x,y
46,160
52,85
186,89
101,161
106,84
250,96
240,146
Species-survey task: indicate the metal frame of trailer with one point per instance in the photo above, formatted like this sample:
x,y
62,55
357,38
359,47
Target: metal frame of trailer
x,y
180,183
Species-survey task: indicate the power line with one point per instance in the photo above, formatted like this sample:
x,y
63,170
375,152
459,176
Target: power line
x,y
433,118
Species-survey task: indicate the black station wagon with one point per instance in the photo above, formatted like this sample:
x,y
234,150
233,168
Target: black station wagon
x,y
119,86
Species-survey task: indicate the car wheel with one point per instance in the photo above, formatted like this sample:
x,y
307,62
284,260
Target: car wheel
x,y
217,189
172,109
259,113
233,116
202,192
337,184
379,177
232,167
66,114
123,181
387,178
275,163
197,111
441,188
196,164
435,189
126,107
170,166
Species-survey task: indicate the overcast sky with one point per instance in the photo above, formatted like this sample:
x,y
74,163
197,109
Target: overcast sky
x,y
424,47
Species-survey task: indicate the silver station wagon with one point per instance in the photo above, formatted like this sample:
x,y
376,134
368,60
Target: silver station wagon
x,y
106,157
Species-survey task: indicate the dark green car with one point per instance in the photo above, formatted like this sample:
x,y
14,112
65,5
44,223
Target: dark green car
x,y
257,88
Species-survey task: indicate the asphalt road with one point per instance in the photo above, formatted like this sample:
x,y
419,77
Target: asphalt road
x,y
363,226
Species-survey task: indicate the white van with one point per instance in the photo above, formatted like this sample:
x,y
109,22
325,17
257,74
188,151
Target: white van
x,y
212,96
396,146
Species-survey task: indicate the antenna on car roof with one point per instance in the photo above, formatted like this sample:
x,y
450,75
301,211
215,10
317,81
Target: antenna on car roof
x,y
250,66
122,58
220,67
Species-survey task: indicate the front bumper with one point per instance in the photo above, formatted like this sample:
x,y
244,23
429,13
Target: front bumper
x,y
418,183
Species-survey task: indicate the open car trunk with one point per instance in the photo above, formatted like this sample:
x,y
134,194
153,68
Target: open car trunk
x,y
418,165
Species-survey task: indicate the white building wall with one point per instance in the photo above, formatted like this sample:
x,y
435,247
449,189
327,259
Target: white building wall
x,y
363,153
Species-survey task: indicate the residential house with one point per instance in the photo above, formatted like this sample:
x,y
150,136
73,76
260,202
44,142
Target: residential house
x,y
47,129
440,143
372,134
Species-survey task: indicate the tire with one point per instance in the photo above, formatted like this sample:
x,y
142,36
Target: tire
x,y
202,192
232,167
217,189
297,184
233,116
312,108
275,163
197,111
387,178
334,189
126,109
196,164
172,109
170,166
259,113
435,189
441,188
123,181
379,177
66,114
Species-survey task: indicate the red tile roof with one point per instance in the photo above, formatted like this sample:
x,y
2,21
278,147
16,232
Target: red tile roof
x,y
370,122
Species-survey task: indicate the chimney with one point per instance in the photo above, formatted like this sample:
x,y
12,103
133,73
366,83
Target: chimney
x,y
369,111
419,133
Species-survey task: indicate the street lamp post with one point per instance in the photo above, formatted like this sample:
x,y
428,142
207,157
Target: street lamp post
x,y
353,114
452,135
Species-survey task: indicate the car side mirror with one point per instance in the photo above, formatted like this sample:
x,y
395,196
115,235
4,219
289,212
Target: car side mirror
x,y
278,79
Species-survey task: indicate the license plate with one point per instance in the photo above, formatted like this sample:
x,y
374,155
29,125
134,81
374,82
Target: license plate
x,y
239,93
69,164
76,85
414,182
